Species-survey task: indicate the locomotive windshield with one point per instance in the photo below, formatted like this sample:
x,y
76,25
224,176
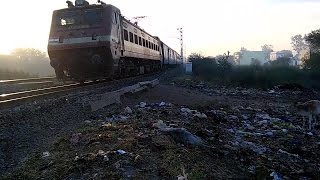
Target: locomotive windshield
x,y
79,17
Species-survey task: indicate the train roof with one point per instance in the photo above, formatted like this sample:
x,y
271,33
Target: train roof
x,y
87,7
138,27
104,5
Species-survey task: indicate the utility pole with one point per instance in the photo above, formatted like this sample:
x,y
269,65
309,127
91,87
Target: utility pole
x,y
181,43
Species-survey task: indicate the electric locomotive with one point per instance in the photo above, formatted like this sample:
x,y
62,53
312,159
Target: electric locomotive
x,y
89,41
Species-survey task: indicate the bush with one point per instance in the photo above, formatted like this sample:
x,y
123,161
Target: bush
x,y
254,76
6,74
313,63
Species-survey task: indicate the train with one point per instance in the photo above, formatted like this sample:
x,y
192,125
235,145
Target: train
x,y
90,41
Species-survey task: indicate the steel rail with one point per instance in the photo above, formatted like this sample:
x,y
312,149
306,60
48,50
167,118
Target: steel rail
x,y
16,81
12,99
8,100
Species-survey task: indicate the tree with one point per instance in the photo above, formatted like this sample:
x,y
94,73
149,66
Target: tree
x,y
28,54
287,53
284,61
255,62
313,39
298,43
195,56
267,48
313,62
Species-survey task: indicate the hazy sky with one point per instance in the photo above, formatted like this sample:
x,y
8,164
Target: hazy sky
x,y
210,26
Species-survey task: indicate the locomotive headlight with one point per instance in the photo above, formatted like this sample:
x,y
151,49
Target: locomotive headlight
x,y
94,36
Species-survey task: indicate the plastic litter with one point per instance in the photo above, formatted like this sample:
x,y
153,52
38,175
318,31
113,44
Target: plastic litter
x,y
162,104
45,154
287,153
181,135
121,152
160,124
128,110
201,115
186,110
143,104
275,176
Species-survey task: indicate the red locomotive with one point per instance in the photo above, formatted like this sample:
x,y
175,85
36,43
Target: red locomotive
x,y
89,41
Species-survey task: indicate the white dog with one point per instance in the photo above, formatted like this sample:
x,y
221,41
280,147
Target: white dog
x,y
309,109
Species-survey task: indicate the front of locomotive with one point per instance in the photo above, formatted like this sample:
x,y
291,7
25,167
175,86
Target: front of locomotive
x,y
79,43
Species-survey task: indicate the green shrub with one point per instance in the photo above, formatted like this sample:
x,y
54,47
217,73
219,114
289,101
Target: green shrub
x,y
9,74
254,76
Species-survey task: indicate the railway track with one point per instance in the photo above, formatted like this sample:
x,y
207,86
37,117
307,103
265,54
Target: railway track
x,y
18,98
17,81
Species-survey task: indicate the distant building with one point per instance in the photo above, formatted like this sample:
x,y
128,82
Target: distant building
x,y
245,57
280,54
236,57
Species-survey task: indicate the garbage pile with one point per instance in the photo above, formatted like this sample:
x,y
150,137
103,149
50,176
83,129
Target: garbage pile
x,y
163,140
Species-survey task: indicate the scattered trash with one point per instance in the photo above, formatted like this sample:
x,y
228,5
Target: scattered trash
x,y
128,110
275,176
310,133
271,91
45,154
87,122
104,155
289,154
117,118
186,110
160,125
181,135
162,104
121,152
269,133
255,137
184,175
201,115
142,105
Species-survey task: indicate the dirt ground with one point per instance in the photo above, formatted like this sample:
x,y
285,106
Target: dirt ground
x,y
227,133
168,93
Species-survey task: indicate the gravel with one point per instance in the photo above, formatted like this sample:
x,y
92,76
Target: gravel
x,y
31,127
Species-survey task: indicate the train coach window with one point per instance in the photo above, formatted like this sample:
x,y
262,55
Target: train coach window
x,y
144,42
125,34
131,36
140,42
135,39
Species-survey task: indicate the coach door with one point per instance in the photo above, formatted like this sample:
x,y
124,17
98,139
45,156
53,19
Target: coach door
x,y
118,40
